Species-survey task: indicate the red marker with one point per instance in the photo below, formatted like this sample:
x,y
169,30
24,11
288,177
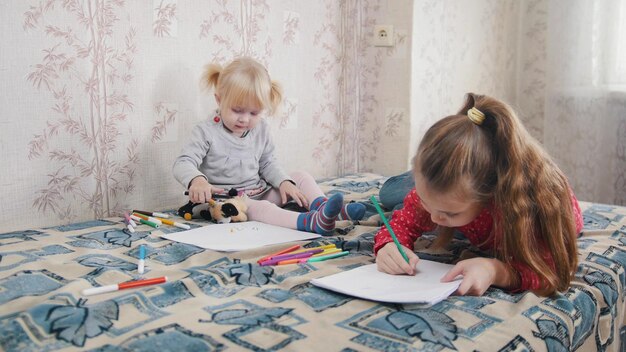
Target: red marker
x,y
124,285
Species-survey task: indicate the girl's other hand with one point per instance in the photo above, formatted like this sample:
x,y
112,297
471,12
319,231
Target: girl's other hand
x,y
200,190
289,190
390,261
478,274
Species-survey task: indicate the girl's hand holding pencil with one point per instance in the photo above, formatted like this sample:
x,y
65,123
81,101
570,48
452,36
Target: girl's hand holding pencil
x,y
390,261
394,258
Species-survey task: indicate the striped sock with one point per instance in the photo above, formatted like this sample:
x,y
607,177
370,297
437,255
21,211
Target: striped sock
x,y
350,211
317,202
321,220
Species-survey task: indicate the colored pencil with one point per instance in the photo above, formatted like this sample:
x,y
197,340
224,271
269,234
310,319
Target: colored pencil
x,y
142,259
293,255
326,257
289,261
124,285
149,223
327,251
174,223
276,260
324,247
286,250
148,218
129,221
152,213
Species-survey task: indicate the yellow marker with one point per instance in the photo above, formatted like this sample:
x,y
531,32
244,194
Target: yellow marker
x,y
328,251
174,223
324,247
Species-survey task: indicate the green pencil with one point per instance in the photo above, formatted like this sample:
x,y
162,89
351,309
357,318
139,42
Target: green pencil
x,y
149,223
326,257
393,235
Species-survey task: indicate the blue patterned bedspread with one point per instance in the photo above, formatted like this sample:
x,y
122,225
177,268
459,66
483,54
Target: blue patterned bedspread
x,y
218,301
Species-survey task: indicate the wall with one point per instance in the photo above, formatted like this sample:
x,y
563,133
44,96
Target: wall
x,y
460,47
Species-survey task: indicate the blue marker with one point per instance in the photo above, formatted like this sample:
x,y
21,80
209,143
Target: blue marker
x,y
142,257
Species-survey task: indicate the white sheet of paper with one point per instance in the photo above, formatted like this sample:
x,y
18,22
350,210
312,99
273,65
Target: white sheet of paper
x,y
369,283
238,236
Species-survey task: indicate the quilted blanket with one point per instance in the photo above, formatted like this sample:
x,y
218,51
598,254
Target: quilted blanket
x,y
217,301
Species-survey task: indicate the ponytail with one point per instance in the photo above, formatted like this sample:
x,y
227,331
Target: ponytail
x,y
276,96
211,75
532,197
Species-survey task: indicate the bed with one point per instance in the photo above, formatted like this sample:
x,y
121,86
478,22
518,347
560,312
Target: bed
x,y
218,301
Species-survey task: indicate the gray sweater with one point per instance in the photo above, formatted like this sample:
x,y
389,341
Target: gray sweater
x,y
229,161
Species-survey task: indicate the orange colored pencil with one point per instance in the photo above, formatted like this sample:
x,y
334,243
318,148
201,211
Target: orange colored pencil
x,y
290,261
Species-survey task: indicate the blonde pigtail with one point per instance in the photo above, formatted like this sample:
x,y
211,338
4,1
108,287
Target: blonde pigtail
x,y
276,96
211,75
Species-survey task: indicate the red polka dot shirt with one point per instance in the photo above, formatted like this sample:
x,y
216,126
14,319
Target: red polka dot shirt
x,y
413,220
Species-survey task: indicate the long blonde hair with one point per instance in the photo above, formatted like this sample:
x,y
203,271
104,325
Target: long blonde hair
x,y
241,82
500,162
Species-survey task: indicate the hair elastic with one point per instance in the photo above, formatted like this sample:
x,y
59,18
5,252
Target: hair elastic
x,y
476,116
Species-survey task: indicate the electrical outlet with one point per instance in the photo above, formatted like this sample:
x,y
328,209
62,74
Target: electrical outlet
x,y
383,35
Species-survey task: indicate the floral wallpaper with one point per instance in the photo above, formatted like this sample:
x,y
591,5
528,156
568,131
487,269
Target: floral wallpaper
x,y
88,79
472,50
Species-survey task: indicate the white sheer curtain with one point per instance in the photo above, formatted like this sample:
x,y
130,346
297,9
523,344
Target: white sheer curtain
x,y
585,95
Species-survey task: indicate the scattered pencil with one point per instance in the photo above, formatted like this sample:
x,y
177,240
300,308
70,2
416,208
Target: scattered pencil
x,y
174,223
286,250
129,221
149,223
288,257
152,213
297,255
123,285
142,259
326,257
148,218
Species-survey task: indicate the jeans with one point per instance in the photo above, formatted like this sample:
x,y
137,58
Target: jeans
x,y
395,189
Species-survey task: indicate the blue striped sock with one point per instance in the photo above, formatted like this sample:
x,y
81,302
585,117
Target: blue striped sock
x,y
352,211
322,220
315,204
